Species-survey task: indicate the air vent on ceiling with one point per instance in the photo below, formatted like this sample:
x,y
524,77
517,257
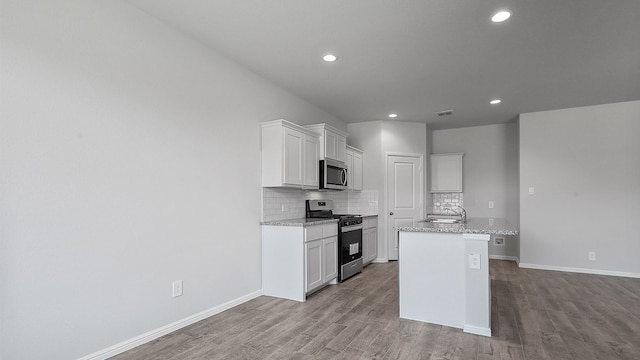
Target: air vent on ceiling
x,y
445,113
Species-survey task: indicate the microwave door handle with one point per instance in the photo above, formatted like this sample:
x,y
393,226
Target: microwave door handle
x,y
344,177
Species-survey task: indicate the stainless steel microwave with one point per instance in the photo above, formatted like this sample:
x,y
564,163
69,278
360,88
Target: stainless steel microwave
x,y
333,175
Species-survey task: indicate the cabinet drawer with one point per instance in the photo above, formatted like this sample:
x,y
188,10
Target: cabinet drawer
x,y
370,222
329,230
312,233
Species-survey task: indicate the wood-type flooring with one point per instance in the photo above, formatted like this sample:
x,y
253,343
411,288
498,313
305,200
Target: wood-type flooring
x,y
536,314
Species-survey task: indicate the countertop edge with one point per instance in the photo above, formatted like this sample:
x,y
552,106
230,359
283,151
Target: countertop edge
x,y
475,226
455,231
303,222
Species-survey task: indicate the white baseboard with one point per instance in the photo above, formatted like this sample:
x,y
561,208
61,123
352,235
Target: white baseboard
x,y
579,270
380,260
504,257
154,334
477,330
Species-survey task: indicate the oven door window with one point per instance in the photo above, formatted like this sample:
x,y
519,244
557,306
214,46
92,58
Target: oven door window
x,y
351,245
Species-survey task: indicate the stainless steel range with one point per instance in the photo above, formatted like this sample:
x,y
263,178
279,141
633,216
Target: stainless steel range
x,y
349,236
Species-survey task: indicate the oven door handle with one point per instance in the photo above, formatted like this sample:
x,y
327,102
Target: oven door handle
x,y
351,228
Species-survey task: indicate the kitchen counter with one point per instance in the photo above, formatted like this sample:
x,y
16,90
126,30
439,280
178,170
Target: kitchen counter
x,y
452,261
490,226
303,222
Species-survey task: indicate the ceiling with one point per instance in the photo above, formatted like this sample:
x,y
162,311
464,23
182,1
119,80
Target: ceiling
x,y
416,58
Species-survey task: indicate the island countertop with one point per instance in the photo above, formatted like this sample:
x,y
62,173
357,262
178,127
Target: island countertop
x,y
492,226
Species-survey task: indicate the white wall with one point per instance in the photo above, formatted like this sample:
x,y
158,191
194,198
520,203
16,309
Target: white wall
x,y
129,158
377,138
490,173
585,167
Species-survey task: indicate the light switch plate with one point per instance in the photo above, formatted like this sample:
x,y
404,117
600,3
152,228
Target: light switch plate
x,y
177,288
532,190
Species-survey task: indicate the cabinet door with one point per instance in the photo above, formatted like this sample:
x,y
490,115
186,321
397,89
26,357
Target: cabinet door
x,y
330,258
331,145
357,171
311,158
446,173
314,272
372,250
350,170
341,148
293,150
365,246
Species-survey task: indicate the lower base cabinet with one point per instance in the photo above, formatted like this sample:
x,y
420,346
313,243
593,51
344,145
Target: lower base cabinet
x,y
314,278
321,253
330,246
298,260
322,262
369,239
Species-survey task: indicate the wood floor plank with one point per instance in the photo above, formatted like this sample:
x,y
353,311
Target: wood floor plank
x,y
536,315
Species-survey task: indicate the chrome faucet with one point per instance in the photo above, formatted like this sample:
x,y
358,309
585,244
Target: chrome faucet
x,y
462,213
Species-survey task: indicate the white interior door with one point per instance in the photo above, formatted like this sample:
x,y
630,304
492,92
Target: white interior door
x,y
404,195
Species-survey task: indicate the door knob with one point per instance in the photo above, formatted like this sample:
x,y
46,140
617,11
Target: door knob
x,y
391,213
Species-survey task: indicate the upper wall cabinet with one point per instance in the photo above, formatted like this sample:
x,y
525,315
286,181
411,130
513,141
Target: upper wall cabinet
x,y
446,172
290,155
333,142
354,168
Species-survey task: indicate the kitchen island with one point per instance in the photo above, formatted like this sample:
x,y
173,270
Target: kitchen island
x,y
444,272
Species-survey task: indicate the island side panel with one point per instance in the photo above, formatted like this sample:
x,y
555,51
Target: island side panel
x,y
432,277
478,286
283,262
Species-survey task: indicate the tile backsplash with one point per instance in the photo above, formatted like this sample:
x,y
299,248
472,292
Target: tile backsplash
x,y
284,203
440,202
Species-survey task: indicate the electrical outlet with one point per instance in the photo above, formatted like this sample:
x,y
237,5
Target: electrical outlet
x,y
532,190
474,261
177,288
490,204
592,255
498,241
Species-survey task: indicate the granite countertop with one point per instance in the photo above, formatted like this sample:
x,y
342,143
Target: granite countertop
x,y
298,222
493,226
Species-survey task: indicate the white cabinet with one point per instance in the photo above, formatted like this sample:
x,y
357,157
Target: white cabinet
x,y
298,260
333,142
314,278
321,253
369,239
354,168
290,155
293,157
341,147
446,172
310,163
330,144
330,252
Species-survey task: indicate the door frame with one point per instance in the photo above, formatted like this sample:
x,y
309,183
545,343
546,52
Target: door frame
x,y
388,243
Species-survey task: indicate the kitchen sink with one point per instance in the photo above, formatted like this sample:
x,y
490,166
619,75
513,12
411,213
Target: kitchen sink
x,y
443,221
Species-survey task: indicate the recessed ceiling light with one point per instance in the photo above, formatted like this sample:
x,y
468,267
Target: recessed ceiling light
x,y
501,16
495,101
330,58
393,115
